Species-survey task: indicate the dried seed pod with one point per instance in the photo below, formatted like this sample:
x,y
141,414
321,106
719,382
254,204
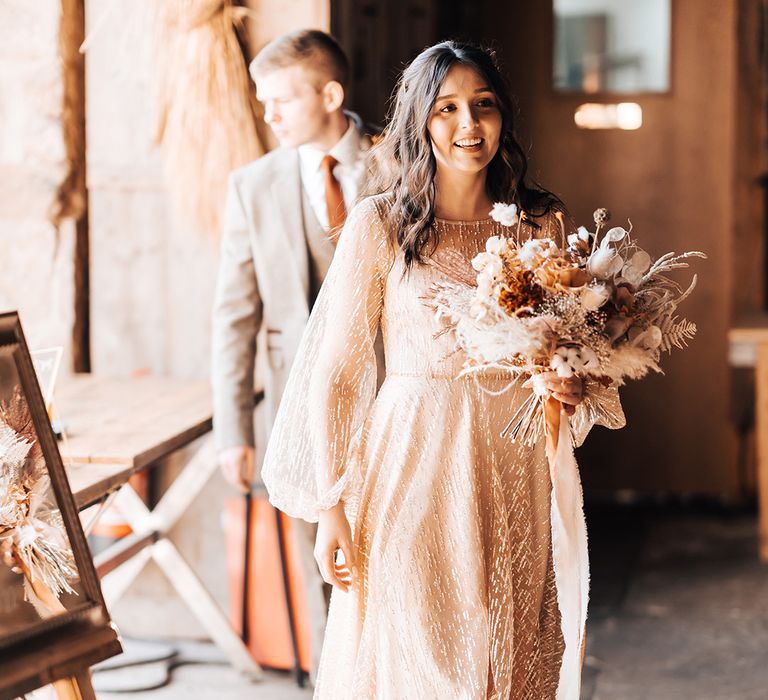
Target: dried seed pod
x,y
601,216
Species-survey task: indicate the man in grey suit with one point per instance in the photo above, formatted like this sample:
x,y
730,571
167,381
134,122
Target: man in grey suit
x,y
282,215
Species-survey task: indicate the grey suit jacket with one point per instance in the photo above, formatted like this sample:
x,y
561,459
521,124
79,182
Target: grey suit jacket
x,y
263,281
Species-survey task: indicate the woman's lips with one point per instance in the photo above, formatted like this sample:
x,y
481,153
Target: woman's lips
x,y
469,144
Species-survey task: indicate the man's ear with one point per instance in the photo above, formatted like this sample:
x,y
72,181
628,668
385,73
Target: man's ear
x,y
333,95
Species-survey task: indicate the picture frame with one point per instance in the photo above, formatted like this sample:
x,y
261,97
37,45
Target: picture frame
x,y
54,623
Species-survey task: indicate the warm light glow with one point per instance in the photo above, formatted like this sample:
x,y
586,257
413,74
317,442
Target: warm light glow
x,y
624,115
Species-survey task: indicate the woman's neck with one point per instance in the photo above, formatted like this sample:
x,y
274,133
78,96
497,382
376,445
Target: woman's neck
x,y
461,196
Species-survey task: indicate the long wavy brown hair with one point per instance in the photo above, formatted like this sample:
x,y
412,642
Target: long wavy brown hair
x,y
402,162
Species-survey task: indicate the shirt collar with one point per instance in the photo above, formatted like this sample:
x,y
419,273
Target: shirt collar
x,y
346,150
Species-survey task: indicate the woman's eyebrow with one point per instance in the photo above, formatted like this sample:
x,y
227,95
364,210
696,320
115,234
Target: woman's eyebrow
x,y
452,95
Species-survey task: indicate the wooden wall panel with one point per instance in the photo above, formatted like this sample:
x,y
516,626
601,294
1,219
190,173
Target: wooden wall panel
x,y
673,178
687,179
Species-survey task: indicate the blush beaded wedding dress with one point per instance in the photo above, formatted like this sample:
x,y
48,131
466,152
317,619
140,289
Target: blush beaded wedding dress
x,y
456,595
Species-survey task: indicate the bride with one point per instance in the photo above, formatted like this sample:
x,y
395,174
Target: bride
x,y
434,531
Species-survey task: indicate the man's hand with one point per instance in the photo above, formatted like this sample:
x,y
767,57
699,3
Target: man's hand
x,y
237,466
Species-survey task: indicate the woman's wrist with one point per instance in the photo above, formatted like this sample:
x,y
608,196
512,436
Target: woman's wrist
x,y
333,510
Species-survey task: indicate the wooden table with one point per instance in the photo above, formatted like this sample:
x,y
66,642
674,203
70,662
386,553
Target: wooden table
x,y
115,427
748,342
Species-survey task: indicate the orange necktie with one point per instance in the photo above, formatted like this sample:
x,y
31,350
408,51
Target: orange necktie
x,y
334,198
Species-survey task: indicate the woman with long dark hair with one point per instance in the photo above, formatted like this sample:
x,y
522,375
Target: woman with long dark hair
x,y
433,530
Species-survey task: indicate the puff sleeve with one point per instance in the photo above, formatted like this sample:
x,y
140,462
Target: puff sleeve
x,y
310,459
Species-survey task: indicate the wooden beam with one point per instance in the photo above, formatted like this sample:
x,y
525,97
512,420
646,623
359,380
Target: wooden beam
x,y
761,428
123,550
72,195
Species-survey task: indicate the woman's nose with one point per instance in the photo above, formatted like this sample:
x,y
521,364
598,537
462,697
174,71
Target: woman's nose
x,y
468,118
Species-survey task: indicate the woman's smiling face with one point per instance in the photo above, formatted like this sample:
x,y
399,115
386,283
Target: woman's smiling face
x,y
465,124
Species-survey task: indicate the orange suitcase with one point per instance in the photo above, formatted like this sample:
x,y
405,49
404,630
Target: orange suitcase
x,y
276,633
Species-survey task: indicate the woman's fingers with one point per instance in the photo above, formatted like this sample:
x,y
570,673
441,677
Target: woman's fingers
x,y
343,574
330,575
567,398
325,565
349,555
570,388
338,574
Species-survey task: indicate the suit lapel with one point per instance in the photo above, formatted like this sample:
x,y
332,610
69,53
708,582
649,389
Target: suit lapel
x,y
287,195
290,240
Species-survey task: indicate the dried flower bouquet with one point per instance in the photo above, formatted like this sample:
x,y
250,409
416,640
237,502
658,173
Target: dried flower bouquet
x,y
594,306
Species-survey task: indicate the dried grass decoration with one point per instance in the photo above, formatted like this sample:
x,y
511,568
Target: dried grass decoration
x,y
207,105
32,535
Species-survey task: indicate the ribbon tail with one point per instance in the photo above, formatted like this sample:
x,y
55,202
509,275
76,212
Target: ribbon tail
x,y
569,547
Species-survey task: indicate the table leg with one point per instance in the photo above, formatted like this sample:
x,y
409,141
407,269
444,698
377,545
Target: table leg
x,y
78,687
208,613
175,501
117,582
185,488
761,434
84,685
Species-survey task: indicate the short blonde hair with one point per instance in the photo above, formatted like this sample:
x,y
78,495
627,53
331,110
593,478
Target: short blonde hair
x,y
317,49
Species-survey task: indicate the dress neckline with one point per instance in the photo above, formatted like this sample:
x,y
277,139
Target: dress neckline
x,y
465,222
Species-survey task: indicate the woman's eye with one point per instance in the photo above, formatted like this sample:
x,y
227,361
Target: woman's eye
x,y
447,108
485,102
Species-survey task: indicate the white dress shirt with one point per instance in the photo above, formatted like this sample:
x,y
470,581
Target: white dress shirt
x,y
348,171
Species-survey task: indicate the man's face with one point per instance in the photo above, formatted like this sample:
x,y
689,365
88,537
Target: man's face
x,y
294,105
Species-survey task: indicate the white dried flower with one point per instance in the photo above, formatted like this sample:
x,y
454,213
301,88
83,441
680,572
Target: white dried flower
x,y
535,248
648,339
604,263
589,359
581,235
478,310
485,284
496,245
636,267
481,260
560,365
505,214
594,296
568,360
494,268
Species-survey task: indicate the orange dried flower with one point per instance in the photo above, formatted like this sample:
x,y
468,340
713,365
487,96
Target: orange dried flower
x,y
520,293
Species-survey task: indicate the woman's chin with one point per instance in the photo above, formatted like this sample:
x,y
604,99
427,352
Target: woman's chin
x,y
472,165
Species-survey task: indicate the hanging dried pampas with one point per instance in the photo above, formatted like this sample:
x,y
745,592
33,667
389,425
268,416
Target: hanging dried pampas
x,y
208,108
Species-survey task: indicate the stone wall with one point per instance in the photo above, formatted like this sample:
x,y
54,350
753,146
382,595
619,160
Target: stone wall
x,y
36,268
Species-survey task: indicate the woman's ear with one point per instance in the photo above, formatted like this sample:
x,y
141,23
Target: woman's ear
x,y
333,95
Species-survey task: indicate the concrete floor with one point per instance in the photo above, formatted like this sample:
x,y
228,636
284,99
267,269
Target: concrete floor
x,y
679,606
679,609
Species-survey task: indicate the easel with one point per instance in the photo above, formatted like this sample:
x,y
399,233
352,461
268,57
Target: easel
x,y
67,640
63,662
77,687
